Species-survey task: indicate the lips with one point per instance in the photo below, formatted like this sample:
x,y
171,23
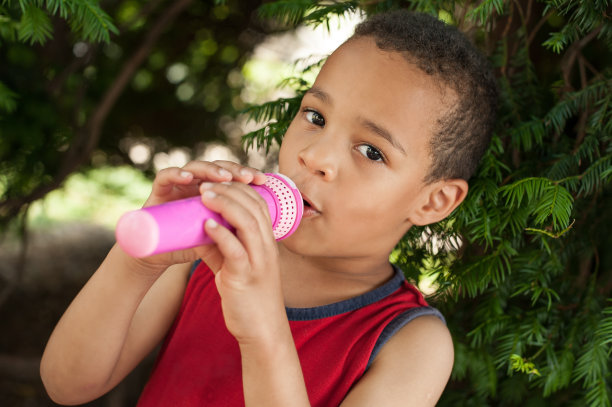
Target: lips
x,y
309,208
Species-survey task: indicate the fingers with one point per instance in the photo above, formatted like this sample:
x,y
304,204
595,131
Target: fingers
x,y
243,208
232,252
240,205
177,183
243,174
167,183
167,178
220,171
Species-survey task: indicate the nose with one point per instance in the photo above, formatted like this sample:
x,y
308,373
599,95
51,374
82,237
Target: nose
x,y
320,157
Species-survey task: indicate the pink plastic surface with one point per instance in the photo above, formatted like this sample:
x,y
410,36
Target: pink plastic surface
x,y
180,224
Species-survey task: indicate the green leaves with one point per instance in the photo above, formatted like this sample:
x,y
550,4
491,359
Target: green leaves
x,y
485,10
89,19
532,237
582,19
287,11
521,269
593,364
311,12
85,18
546,199
8,99
276,117
35,25
520,364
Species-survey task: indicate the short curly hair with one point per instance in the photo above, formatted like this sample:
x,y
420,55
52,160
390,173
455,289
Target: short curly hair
x,y
464,131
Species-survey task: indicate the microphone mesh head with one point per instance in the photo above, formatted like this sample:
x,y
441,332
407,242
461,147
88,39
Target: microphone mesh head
x,y
290,204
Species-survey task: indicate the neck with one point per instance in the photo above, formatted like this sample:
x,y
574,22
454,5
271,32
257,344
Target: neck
x,y
315,281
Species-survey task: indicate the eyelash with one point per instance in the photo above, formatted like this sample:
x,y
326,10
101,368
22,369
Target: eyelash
x,y
308,113
381,157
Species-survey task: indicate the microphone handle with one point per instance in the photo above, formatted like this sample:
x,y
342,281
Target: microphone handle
x,y
178,225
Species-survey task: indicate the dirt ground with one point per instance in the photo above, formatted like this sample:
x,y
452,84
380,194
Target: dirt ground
x,y
58,262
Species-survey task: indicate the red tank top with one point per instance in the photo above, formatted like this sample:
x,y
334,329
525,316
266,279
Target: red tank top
x,y
199,363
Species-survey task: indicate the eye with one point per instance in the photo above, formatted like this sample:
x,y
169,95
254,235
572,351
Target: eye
x,y
370,152
315,117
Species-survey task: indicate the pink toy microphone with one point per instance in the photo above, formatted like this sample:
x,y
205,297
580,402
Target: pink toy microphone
x,y
179,224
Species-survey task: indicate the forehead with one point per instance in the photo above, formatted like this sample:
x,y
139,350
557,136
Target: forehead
x,y
361,57
369,82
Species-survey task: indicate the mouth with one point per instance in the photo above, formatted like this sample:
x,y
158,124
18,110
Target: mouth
x,y
309,208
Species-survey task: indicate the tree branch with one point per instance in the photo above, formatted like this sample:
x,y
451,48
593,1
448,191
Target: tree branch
x,y
537,27
88,136
54,86
567,64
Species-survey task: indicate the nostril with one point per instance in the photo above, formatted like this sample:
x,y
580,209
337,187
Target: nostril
x,y
318,161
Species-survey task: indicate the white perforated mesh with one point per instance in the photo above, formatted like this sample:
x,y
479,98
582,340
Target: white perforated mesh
x,y
287,206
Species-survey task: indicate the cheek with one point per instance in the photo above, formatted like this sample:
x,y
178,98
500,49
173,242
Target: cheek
x,y
386,205
288,148
290,155
376,206
369,228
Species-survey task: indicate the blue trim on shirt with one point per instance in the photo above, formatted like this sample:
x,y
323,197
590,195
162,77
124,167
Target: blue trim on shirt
x,y
398,323
325,311
194,266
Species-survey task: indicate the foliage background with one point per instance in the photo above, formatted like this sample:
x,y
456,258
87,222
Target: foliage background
x,y
522,270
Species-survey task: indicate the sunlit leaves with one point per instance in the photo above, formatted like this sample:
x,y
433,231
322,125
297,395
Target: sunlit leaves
x,y
276,116
520,364
295,12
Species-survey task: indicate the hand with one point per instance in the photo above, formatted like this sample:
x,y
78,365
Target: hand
x,y
245,263
178,183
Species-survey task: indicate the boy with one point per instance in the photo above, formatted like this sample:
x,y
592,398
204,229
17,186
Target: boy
x,y
386,138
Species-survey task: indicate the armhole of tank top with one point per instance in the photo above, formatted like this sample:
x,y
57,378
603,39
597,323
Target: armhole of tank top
x,y
398,323
194,266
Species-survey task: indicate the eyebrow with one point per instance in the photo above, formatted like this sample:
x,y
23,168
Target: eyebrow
x,y
368,124
384,133
320,94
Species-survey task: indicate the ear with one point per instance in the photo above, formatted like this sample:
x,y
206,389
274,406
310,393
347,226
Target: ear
x,y
439,200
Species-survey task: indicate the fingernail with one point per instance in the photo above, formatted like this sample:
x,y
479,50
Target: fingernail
x,y
212,223
185,174
223,172
205,185
209,194
245,172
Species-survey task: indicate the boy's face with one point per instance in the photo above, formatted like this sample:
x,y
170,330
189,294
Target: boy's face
x,y
358,151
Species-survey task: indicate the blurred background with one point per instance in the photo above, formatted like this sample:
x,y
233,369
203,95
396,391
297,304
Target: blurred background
x,y
97,96
92,123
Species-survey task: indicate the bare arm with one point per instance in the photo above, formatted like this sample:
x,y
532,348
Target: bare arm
x,y
127,306
412,369
272,373
247,277
119,316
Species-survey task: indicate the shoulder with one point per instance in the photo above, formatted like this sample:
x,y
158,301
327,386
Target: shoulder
x,y
412,368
